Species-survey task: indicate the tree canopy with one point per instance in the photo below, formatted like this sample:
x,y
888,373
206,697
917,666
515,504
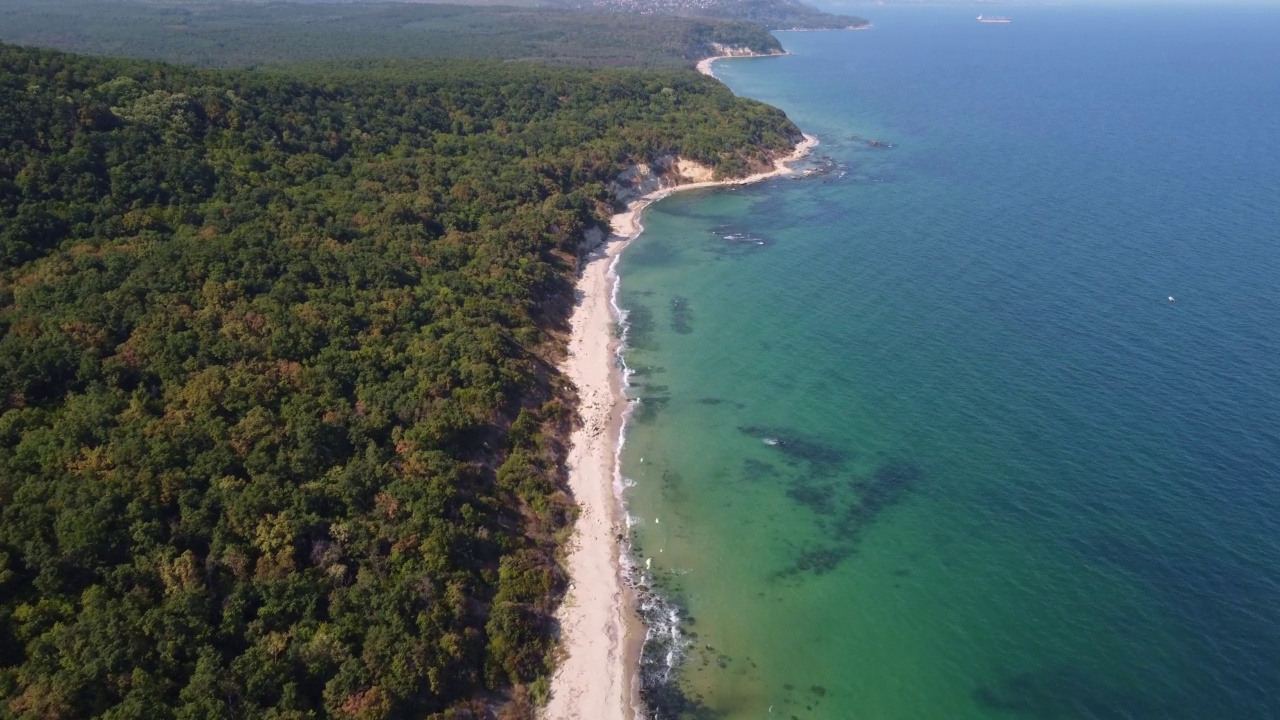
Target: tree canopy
x,y
233,33
280,425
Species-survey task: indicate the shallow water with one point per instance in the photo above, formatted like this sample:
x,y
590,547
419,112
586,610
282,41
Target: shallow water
x,y
923,435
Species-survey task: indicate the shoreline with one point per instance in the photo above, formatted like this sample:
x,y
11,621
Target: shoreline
x,y
601,634
704,65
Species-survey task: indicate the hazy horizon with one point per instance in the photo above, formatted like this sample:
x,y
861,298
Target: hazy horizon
x,y
862,4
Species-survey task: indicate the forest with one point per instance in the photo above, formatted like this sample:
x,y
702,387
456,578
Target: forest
x,y
232,33
280,424
772,14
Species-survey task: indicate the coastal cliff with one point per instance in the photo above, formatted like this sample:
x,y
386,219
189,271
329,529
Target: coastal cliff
x,y
722,50
668,172
662,173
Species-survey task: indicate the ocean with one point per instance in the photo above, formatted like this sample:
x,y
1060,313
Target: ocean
x,y
981,418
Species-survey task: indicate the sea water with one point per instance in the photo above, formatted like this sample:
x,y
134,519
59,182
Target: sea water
x,y
982,421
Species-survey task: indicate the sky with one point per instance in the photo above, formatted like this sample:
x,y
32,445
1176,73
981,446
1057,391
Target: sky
x,y
846,4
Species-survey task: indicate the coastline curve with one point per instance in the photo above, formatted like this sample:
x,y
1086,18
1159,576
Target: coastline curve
x,y
602,636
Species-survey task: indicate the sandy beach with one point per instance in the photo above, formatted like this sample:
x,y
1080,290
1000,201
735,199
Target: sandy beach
x,y
704,65
601,636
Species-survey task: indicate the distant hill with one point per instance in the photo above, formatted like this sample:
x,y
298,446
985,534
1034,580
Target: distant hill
x,y
220,33
773,14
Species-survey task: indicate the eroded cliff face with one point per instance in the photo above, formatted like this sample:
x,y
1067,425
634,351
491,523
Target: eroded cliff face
x,y
664,172
635,182
723,50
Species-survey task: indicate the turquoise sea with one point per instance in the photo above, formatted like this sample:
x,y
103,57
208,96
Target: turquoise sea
x,y
985,424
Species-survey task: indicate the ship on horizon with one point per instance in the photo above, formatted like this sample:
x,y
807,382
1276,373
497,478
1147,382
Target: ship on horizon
x,y
994,19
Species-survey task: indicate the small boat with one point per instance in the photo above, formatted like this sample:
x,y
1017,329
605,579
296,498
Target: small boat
x,y
994,19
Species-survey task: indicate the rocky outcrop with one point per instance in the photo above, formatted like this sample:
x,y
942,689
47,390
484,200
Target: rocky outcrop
x,y
671,171
635,182
722,50
664,172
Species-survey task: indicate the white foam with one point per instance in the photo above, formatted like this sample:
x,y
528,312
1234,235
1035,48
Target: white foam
x,y
666,623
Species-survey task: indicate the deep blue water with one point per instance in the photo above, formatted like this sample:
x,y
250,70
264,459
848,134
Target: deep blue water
x,y
1016,479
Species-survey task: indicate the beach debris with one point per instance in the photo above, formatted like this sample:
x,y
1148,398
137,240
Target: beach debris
x,y
648,563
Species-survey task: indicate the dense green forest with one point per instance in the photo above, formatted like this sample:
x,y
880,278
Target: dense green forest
x,y
280,426
771,14
225,33
783,15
